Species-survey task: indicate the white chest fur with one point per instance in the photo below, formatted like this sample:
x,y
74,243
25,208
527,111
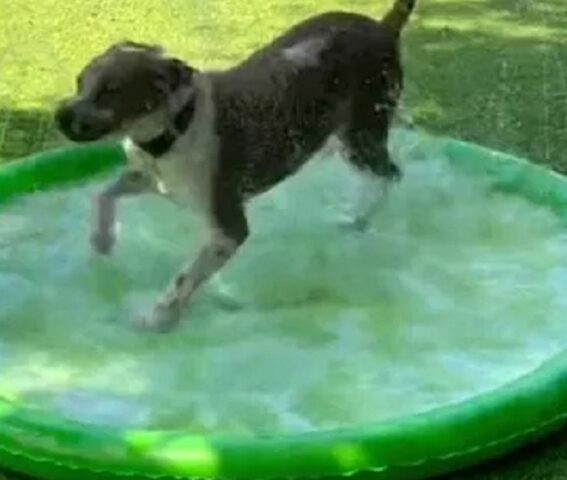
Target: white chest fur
x,y
184,173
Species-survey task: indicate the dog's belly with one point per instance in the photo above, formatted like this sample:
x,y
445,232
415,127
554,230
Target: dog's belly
x,y
268,136
270,159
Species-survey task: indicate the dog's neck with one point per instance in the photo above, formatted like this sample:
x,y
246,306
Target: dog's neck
x,y
161,143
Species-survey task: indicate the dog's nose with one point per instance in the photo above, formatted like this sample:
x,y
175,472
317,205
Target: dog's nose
x,y
64,118
78,123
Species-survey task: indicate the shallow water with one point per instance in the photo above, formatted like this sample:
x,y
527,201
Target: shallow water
x,y
454,291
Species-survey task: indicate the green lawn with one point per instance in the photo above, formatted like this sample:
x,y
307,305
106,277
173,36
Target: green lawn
x,y
490,71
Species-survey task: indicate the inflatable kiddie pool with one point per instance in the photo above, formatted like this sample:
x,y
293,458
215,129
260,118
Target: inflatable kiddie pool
x,y
434,341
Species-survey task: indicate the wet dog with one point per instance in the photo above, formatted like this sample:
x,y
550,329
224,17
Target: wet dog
x,y
218,138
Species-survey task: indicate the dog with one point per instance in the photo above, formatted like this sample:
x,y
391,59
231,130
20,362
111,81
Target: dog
x,y
219,138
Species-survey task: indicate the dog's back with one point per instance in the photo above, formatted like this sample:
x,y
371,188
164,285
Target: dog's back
x,y
280,105
222,137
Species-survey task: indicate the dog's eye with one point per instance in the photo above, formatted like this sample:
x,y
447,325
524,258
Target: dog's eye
x,y
107,89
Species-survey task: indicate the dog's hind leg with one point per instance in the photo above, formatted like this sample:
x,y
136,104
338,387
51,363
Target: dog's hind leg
x,y
366,139
230,230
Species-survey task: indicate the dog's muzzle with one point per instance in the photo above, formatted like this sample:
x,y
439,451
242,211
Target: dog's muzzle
x,y
79,121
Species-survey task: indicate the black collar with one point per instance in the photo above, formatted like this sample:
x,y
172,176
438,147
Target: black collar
x,y
160,145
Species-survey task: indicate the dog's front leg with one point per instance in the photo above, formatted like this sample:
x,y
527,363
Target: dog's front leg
x,y
103,235
230,230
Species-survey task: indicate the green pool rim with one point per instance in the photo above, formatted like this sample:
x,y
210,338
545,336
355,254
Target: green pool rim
x,y
442,440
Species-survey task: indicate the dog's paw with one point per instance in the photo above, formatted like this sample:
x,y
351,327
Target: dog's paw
x,y
163,318
102,243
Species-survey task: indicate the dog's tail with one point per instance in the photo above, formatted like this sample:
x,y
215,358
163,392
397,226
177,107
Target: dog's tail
x,y
399,14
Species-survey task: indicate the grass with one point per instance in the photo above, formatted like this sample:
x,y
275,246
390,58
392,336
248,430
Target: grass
x,y
489,71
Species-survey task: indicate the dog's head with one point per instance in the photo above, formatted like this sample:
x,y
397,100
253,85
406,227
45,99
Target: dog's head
x,y
131,87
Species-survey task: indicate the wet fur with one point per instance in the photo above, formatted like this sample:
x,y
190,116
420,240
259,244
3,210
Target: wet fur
x,y
254,125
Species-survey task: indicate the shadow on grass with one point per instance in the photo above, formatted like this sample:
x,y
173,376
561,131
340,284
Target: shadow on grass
x,y
545,460
23,132
536,13
492,73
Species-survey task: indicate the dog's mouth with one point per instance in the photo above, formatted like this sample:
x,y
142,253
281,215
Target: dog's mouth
x,y
82,126
86,134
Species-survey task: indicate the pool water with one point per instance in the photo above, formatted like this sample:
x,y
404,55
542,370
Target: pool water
x,y
455,290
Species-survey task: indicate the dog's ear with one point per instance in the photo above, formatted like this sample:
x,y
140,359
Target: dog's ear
x,y
176,73
138,46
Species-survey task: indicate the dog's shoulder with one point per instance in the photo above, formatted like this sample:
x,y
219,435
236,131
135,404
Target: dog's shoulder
x,y
190,164
185,171
136,157
200,141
